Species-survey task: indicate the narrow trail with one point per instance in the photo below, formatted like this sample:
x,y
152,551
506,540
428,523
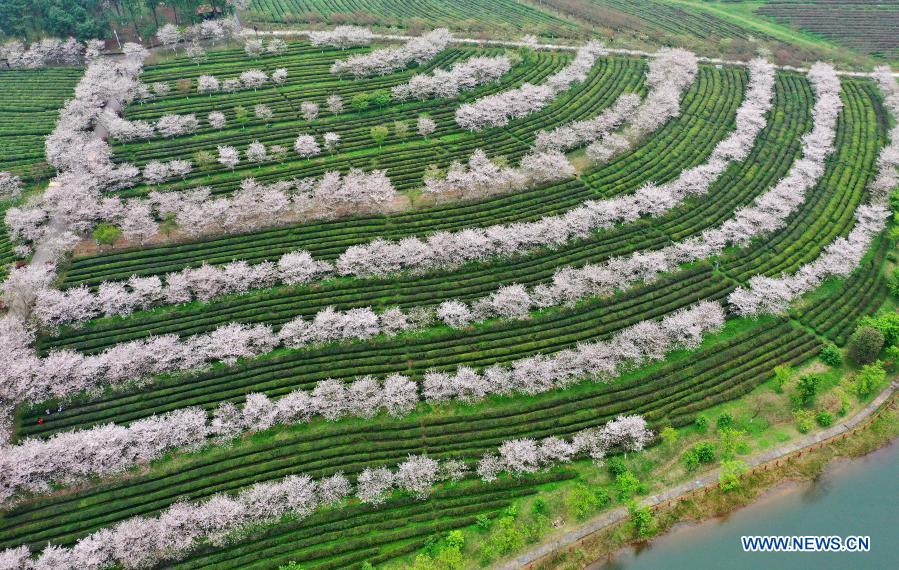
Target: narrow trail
x,y
709,479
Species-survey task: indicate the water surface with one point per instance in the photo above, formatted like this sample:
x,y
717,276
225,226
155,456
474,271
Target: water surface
x,y
857,497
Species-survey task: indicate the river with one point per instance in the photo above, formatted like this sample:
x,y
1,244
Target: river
x,y
857,497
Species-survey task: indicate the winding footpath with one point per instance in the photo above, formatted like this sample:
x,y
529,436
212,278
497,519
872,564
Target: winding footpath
x,y
708,480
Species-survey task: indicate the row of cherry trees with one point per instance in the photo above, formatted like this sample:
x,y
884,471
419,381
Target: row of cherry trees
x,y
387,60
579,133
671,71
841,257
460,77
144,542
498,109
72,456
50,51
342,37
450,249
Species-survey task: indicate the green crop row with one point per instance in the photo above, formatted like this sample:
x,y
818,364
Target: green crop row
x,y
768,162
323,448
356,530
29,100
834,316
828,210
328,239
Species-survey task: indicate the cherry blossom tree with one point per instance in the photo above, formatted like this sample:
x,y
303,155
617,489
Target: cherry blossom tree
x,y
256,152
263,112
497,110
169,36
425,125
10,186
253,79
461,76
207,84
335,104
276,46
309,110
305,146
253,47
331,141
228,156
216,119
279,76
342,37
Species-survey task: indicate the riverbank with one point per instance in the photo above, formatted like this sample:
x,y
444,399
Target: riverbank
x,y
872,428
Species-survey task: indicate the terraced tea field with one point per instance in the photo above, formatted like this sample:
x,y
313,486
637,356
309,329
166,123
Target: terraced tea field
x,y
310,353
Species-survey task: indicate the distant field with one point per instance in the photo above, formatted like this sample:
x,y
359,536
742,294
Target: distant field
x,y
469,15
869,27
29,99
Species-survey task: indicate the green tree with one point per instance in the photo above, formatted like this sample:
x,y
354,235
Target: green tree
x,y
782,375
700,454
379,134
669,436
701,422
869,379
203,158
615,465
887,324
360,102
865,344
106,234
824,418
731,440
731,474
725,420
643,524
627,485
401,129
807,389
380,98
830,355
581,501
241,114
169,224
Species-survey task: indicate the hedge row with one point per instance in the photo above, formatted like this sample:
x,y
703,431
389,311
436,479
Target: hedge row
x,y
768,162
742,359
675,144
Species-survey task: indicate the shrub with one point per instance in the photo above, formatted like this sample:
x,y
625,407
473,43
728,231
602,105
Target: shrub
x,y
824,418
865,344
830,355
702,423
582,501
379,134
804,420
699,454
887,324
782,375
731,473
869,379
807,389
669,436
616,466
642,523
627,485
725,420
106,234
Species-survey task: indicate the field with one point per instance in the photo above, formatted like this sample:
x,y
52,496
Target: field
x,y
869,27
727,365
29,100
469,15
